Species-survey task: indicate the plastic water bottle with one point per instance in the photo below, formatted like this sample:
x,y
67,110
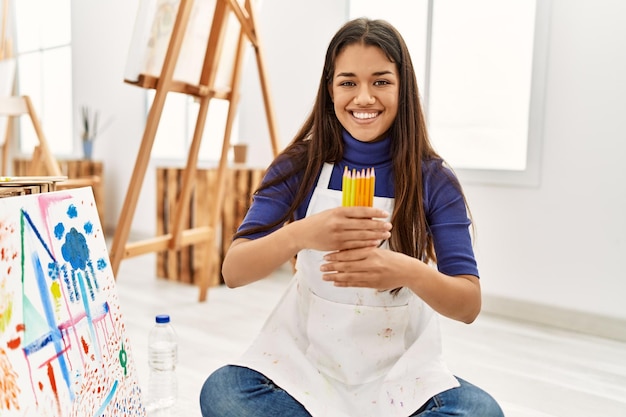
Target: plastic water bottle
x,y
162,358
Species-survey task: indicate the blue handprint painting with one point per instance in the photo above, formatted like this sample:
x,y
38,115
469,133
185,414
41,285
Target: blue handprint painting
x,y
63,346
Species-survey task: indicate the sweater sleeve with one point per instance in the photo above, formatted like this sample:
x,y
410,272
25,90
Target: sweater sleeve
x,y
448,221
270,204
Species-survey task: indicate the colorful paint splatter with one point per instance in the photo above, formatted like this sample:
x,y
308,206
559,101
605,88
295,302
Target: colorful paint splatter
x,y
63,348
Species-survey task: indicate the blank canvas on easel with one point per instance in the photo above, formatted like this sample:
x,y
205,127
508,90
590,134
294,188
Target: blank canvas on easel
x,y
152,31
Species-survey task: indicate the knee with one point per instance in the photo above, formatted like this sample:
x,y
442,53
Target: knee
x,y
479,402
213,395
490,407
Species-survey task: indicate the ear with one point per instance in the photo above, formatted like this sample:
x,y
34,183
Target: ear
x,y
330,91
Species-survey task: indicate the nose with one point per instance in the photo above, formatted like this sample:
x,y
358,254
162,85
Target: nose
x,y
364,96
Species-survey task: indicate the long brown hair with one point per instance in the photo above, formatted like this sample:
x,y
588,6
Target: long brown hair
x,y
319,140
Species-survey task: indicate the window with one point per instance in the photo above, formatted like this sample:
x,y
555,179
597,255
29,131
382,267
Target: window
x,y
481,63
44,70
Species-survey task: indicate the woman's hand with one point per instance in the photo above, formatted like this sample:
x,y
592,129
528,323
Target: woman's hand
x,y
339,228
369,267
456,297
342,228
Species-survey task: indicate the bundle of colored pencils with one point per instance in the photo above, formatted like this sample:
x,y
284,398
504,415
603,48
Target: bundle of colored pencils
x,y
358,187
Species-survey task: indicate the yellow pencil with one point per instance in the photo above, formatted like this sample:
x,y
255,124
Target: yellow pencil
x,y
366,199
344,187
366,188
359,189
352,188
372,187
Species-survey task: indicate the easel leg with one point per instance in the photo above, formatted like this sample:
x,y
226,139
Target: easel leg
x,y
216,212
136,180
6,147
269,107
143,158
189,174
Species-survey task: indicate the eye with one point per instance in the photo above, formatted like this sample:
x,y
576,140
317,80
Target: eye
x,y
381,82
347,84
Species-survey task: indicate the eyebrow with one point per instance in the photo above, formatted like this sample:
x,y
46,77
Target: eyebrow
x,y
376,74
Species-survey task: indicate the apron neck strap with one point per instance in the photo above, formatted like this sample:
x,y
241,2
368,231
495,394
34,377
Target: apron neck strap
x,y
324,179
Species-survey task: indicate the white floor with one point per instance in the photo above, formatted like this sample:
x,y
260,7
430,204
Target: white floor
x,y
532,371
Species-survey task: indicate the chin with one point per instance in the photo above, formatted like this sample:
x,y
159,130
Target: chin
x,y
368,138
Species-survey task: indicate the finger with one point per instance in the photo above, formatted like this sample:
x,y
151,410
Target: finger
x,y
343,270
338,267
351,255
351,284
358,244
365,212
367,224
364,235
346,280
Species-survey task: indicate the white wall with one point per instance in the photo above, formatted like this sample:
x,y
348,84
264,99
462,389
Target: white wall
x,y
101,33
563,243
557,244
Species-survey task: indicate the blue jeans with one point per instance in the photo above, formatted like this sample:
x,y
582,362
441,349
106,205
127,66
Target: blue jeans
x,y
234,391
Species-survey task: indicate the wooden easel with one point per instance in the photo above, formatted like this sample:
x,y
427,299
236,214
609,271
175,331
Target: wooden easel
x,y
204,91
43,162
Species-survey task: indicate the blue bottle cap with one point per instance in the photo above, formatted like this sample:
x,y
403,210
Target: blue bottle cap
x,y
162,318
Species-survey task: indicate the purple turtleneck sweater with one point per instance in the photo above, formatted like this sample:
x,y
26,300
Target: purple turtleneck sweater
x,y
443,202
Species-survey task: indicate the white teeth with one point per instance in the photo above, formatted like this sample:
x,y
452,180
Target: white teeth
x,y
364,115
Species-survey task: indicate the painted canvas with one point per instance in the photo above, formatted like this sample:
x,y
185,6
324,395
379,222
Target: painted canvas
x,y
63,345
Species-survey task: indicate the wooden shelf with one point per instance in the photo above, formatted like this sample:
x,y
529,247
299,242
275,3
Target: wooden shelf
x,y
79,172
14,186
184,264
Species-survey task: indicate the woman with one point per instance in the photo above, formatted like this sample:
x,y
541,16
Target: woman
x,y
356,332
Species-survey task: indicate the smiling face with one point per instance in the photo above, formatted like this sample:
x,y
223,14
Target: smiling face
x,y
364,90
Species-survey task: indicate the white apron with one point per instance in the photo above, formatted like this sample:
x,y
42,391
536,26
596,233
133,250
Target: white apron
x,y
349,352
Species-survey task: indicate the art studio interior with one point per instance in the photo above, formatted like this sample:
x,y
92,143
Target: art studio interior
x,y
129,103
